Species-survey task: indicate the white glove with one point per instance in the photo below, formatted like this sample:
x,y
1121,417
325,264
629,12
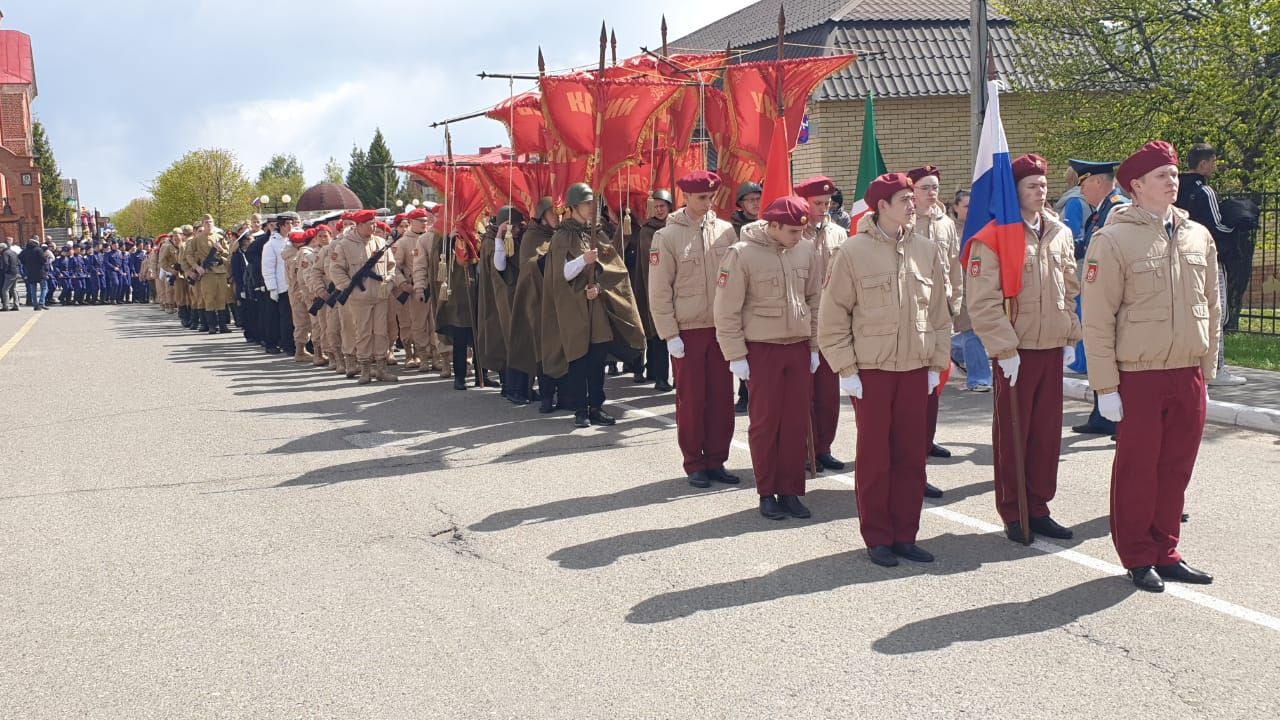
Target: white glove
x,y
851,386
1110,407
1010,367
1068,356
935,379
740,369
813,362
675,346
274,296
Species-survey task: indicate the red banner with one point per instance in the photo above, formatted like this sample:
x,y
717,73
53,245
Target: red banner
x,y
733,171
525,124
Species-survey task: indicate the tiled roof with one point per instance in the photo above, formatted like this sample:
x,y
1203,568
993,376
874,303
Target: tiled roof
x,y
16,65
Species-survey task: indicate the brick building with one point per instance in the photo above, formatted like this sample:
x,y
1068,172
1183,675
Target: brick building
x,y
21,209
916,63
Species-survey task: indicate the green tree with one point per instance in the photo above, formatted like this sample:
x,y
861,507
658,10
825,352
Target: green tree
x,y
382,171
282,175
360,180
55,206
333,171
202,181
1135,70
135,218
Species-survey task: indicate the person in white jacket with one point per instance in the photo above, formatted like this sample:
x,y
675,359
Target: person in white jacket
x,y
279,326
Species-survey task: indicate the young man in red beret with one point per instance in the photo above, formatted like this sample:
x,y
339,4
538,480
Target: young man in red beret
x,y
885,327
298,301
1151,331
684,265
933,224
1030,353
656,367
312,285
826,237
766,313
366,309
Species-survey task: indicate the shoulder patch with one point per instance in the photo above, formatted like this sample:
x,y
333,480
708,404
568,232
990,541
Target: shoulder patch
x,y
723,280
305,264
975,267
654,257
1091,273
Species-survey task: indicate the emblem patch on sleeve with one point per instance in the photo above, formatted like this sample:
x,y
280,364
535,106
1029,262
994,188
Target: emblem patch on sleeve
x,y
653,257
975,267
1092,273
723,280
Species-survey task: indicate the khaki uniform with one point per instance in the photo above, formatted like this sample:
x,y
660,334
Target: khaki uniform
x,y
336,332
939,228
171,264
212,291
431,346
400,316
1152,324
365,310
309,284
298,301
825,415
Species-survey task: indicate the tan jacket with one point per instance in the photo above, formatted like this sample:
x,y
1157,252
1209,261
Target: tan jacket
x,y
349,253
423,270
826,240
1046,311
684,262
885,304
310,274
1150,302
194,253
405,252
170,257
289,256
766,293
941,230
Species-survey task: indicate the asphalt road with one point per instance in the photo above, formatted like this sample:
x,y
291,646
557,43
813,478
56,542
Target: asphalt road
x,y
194,530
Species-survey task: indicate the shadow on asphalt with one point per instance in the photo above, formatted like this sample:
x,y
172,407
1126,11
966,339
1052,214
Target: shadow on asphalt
x,y
955,554
1007,620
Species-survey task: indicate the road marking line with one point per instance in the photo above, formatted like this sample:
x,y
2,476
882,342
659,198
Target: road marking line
x,y
22,331
1179,591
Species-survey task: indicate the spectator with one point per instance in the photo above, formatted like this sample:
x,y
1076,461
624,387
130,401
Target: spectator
x,y
1201,202
9,270
838,214
33,261
967,351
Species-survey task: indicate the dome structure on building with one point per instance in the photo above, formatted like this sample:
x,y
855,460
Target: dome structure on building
x,y
328,196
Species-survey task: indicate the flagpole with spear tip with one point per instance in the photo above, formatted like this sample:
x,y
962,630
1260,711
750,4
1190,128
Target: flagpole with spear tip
x,y
671,169
598,160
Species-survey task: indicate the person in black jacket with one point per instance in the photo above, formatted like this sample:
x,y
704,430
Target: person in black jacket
x,y
255,286
239,277
1201,202
10,269
33,262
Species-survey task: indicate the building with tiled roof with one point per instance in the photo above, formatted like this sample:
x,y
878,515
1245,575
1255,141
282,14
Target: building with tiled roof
x,y
915,59
21,206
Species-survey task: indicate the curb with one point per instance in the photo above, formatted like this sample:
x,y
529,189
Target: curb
x,y
1223,413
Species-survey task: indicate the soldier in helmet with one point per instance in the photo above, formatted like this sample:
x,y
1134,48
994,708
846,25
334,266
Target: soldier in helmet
x,y
210,260
450,271
497,275
593,310
524,345
656,367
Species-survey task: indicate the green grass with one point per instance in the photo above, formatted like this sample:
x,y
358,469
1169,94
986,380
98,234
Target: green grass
x,y
1260,352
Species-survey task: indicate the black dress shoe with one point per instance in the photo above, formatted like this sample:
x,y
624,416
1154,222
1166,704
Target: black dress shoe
x,y
518,400
580,419
882,555
611,369
1186,517
912,552
793,507
459,383
1182,572
721,475
1013,531
938,451
274,351
599,417
1145,578
547,405
639,378
930,491
699,479
662,386
740,407
828,461
770,508
1087,429
1115,438
1049,527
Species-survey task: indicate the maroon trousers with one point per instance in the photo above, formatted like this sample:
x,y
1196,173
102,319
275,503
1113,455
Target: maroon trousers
x,y
826,407
931,419
704,401
1156,448
778,406
1039,392
889,474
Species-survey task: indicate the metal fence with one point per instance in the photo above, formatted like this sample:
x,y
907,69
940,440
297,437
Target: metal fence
x,y
1253,272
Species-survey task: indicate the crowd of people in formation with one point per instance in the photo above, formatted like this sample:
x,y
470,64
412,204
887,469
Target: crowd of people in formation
x,y
110,271
794,308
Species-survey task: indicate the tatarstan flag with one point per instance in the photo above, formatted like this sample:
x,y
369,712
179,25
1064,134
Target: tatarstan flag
x,y
870,162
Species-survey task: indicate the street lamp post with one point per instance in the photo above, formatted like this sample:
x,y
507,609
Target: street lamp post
x,y
265,203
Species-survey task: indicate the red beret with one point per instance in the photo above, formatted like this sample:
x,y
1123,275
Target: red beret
x,y
382,226
788,210
297,238
699,181
885,187
311,234
361,216
417,214
322,227
923,172
1028,165
342,222
815,186
399,218
1153,155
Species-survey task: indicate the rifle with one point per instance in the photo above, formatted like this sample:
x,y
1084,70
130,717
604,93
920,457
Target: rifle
x,y
365,271
321,302
212,260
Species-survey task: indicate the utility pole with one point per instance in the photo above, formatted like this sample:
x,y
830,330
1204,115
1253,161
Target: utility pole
x,y
979,48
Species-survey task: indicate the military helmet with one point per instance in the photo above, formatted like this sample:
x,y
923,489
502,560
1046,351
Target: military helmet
x,y
747,188
579,193
509,214
665,196
545,204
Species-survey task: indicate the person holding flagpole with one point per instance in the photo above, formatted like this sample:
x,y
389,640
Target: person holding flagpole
x,y
1030,348
885,328
1151,330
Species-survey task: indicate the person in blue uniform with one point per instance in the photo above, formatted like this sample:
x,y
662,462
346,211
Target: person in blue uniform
x,y
93,273
59,275
75,268
1099,189
112,262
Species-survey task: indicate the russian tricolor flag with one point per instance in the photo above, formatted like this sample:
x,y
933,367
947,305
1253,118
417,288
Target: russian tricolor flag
x,y
995,218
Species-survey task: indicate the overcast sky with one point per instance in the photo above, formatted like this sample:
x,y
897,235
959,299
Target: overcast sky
x,y
126,87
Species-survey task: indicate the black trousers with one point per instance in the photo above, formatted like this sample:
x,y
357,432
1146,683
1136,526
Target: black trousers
x,y
515,384
285,311
462,339
547,385
268,322
584,385
657,360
